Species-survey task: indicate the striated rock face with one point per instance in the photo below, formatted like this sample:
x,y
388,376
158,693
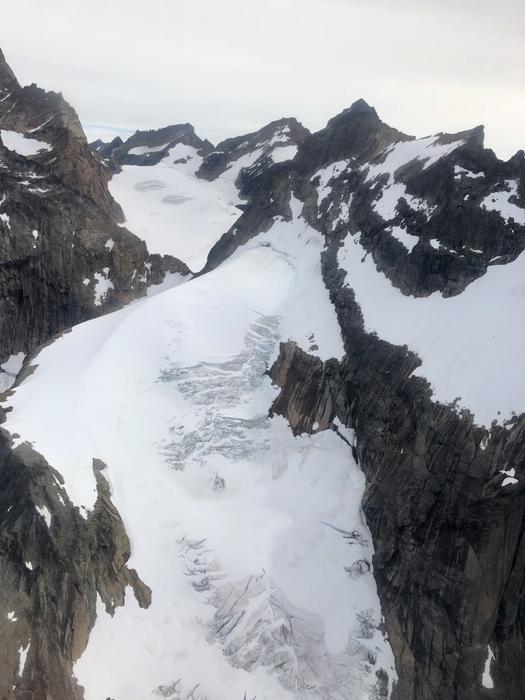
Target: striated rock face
x,y
63,258
46,116
355,133
54,564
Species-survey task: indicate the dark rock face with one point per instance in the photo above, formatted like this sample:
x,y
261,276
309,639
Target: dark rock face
x,y
106,147
54,563
355,133
455,238
283,132
449,541
150,147
63,258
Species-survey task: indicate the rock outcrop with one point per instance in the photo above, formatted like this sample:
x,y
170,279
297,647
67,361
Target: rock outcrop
x,y
256,150
55,561
63,256
449,541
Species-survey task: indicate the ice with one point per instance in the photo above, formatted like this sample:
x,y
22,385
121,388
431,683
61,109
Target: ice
x,y
470,344
21,145
252,540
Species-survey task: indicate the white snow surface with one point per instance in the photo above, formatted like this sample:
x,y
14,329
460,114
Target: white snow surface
x,y
510,477
102,286
282,153
10,368
175,212
427,150
486,680
460,172
499,201
143,150
326,175
22,655
407,239
471,345
46,515
252,541
15,141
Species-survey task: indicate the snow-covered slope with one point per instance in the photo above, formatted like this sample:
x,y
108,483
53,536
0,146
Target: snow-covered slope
x,y
471,345
179,213
251,540
172,210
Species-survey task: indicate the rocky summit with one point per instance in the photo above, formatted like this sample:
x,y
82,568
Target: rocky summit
x,y
263,411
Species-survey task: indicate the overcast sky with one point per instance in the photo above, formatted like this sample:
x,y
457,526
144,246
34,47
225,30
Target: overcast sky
x,y
230,66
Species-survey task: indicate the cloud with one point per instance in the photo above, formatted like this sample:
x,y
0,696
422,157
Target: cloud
x,y
234,65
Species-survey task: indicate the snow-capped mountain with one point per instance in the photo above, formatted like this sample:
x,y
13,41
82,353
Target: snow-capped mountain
x,y
275,449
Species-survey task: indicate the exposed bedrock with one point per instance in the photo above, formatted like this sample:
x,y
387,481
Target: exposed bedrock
x,y
63,257
54,562
449,539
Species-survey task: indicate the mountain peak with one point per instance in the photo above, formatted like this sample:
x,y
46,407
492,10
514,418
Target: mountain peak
x,y
357,132
7,77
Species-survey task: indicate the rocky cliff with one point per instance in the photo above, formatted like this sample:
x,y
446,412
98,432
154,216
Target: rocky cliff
x,y
448,538
63,256
418,237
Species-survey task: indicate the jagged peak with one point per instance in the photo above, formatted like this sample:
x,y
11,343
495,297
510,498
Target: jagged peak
x,y
157,142
355,133
7,77
358,109
474,137
297,134
155,137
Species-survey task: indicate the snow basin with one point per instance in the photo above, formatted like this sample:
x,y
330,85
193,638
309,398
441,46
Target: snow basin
x,y
15,141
